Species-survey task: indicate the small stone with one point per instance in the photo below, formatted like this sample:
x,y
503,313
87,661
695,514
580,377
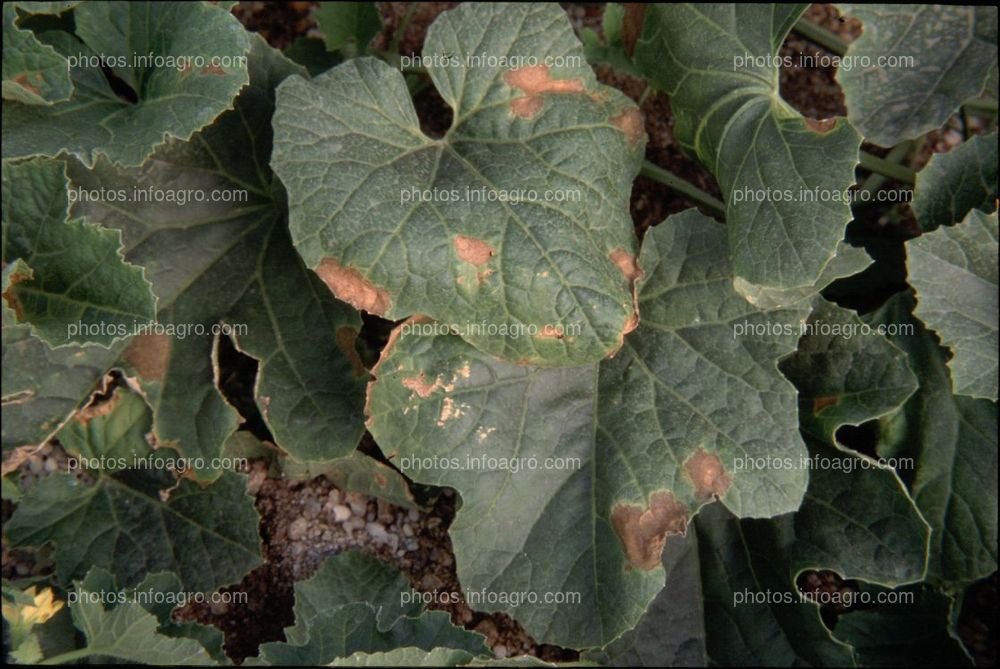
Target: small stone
x,y
312,508
407,530
500,650
377,532
430,583
297,529
341,513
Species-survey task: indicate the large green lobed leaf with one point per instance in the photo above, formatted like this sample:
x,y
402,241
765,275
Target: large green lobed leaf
x,y
954,271
650,436
361,175
182,62
913,65
784,178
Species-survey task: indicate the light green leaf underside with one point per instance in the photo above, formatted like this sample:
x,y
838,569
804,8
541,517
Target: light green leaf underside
x,y
223,257
33,73
172,100
355,604
207,535
783,181
846,373
850,260
952,441
126,631
683,392
349,147
938,57
357,472
81,289
954,271
954,183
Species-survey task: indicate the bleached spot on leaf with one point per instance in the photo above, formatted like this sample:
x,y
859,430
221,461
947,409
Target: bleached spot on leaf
x,y
449,411
821,126
472,250
349,286
643,532
550,332
707,474
534,81
626,263
149,355
630,122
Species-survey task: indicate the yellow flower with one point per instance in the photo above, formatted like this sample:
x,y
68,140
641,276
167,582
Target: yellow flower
x,y
44,606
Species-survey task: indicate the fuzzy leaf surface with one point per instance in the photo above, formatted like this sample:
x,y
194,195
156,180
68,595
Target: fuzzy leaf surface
x,y
399,223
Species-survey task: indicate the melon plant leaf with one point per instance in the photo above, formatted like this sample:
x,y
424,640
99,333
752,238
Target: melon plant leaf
x,y
126,631
845,373
42,386
178,377
848,261
222,258
914,633
348,26
672,631
954,183
206,535
954,271
182,64
81,290
398,223
938,57
879,537
33,73
782,176
653,433
353,604
952,441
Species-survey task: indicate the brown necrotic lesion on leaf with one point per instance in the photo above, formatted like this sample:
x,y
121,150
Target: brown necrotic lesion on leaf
x,y
349,286
472,250
534,81
346,338
707,474
550,332
213,70
630,122
821,126
22,81
643,532
821,403
149,356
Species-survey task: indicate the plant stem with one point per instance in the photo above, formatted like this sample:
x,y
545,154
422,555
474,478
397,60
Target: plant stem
x,y
400,31
682,187
77,654
821,36
873,163
875,181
